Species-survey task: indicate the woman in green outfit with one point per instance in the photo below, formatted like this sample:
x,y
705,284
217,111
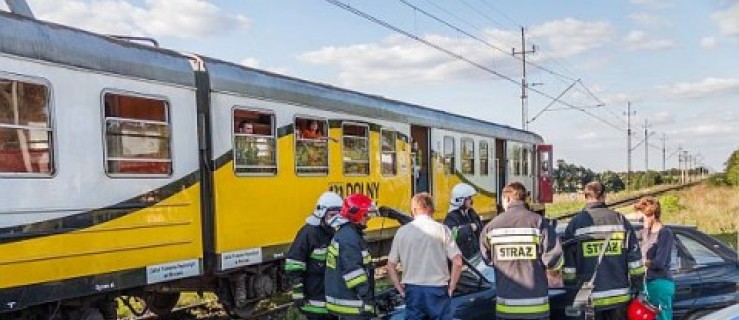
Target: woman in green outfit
x,y
656,246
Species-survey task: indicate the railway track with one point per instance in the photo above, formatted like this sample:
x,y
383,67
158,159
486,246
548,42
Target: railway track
x,y
631,200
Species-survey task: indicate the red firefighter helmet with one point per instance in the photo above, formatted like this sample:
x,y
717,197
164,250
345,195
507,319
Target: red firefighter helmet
x,y
356,207
641,310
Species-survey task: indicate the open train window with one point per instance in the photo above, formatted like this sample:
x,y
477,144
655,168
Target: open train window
x,y
468,156
389,156
484,158
137,136
254,150
449,155
355,151
311,146
25,129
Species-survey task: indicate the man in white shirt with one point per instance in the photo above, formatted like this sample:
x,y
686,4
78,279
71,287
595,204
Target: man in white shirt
x,y
423,248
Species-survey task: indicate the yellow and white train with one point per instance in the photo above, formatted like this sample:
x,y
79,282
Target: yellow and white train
x,y
131,170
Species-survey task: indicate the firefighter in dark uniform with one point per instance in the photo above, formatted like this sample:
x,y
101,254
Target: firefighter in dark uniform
x,y
464,221
350,276
305,263
522,247
620,271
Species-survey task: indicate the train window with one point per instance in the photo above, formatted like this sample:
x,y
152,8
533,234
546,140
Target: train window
x,y
25,129
514,158
137,136
356,149
468,156
311,146
254,150
525,154
449,155
484,158
389,152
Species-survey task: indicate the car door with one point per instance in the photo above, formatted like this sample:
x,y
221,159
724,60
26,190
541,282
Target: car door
x,y
717,273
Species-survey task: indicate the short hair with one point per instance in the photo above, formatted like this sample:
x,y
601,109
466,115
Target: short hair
x,y
649,206
594,190
424,200
515,190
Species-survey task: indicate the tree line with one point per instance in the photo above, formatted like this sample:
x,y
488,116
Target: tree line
x,y
730,176
570,177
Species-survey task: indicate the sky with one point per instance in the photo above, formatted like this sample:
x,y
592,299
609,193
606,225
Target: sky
x,y
676,61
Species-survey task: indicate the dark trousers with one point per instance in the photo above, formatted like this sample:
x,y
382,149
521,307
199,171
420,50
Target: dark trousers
x,y
618,313
427,302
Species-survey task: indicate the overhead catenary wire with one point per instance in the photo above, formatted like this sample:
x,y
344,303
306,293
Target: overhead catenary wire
x,y
460,57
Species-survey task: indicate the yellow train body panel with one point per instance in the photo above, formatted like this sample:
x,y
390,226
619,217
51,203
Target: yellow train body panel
x,y
255,212
484,202
164,232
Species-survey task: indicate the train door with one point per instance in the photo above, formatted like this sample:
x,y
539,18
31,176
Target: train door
x,y
420,159
500,167
544,173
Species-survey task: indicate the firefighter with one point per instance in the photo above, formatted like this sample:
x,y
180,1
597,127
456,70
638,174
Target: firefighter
x,y
305,263
464,221
620,270
522,247
350,280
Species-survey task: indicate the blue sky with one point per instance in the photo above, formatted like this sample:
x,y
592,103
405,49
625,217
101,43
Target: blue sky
x,y
675,60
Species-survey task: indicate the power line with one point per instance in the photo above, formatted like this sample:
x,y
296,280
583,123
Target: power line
x,y
482,14
501,13
457,56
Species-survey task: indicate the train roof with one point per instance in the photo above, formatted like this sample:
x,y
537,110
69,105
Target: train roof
x,y
40,40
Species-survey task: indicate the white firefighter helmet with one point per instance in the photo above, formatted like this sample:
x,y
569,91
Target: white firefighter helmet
x,y
326,201
460,192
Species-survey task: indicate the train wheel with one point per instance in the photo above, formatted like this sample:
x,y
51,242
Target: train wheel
x,y
162,303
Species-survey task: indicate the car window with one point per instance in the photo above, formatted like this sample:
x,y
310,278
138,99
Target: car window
x,y
700,253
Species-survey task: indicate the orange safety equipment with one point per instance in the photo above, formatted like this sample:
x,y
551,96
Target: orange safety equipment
x,y
356,207
641,310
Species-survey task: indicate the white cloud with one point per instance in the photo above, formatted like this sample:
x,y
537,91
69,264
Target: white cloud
x,y
180,19
570,36
662,118
707,129
709,43
397,58
640,40
707,87
728,20
649,20
652,4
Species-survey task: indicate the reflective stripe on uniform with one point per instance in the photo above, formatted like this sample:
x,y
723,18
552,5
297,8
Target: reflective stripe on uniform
x,y
355,278
611,297
600,229
636,268
319,254
523,302
344,302
560,263
315,306
344,306
366,257
294,265
514,231
522,310
514,239
297,295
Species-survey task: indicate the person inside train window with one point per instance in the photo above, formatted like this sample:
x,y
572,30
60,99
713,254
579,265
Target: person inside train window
x,y
313,131
246,127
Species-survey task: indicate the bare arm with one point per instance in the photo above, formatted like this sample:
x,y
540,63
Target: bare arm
x,y
456,273
392,271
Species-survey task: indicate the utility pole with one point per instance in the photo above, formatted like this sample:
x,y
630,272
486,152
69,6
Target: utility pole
x,y
664,152
524,84
646,145
628,143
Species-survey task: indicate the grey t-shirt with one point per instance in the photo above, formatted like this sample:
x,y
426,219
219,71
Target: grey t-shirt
x,y
657,247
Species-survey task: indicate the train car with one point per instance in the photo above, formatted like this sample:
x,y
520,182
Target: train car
x,y
132,170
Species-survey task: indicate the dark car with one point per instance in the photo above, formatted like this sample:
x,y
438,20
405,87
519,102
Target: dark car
x,y
705,271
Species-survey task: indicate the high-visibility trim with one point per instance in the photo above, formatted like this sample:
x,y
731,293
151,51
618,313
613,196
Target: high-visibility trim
x,y
317,303
353,274
335,308
333,249
514,239
455,233
514,231
604,302
610,293
569,276
344,302
356,281
637,271
345,306
366,257
521,310
319,254
297,295
294,265
600,229
635,264
523,302
314,309
569,270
